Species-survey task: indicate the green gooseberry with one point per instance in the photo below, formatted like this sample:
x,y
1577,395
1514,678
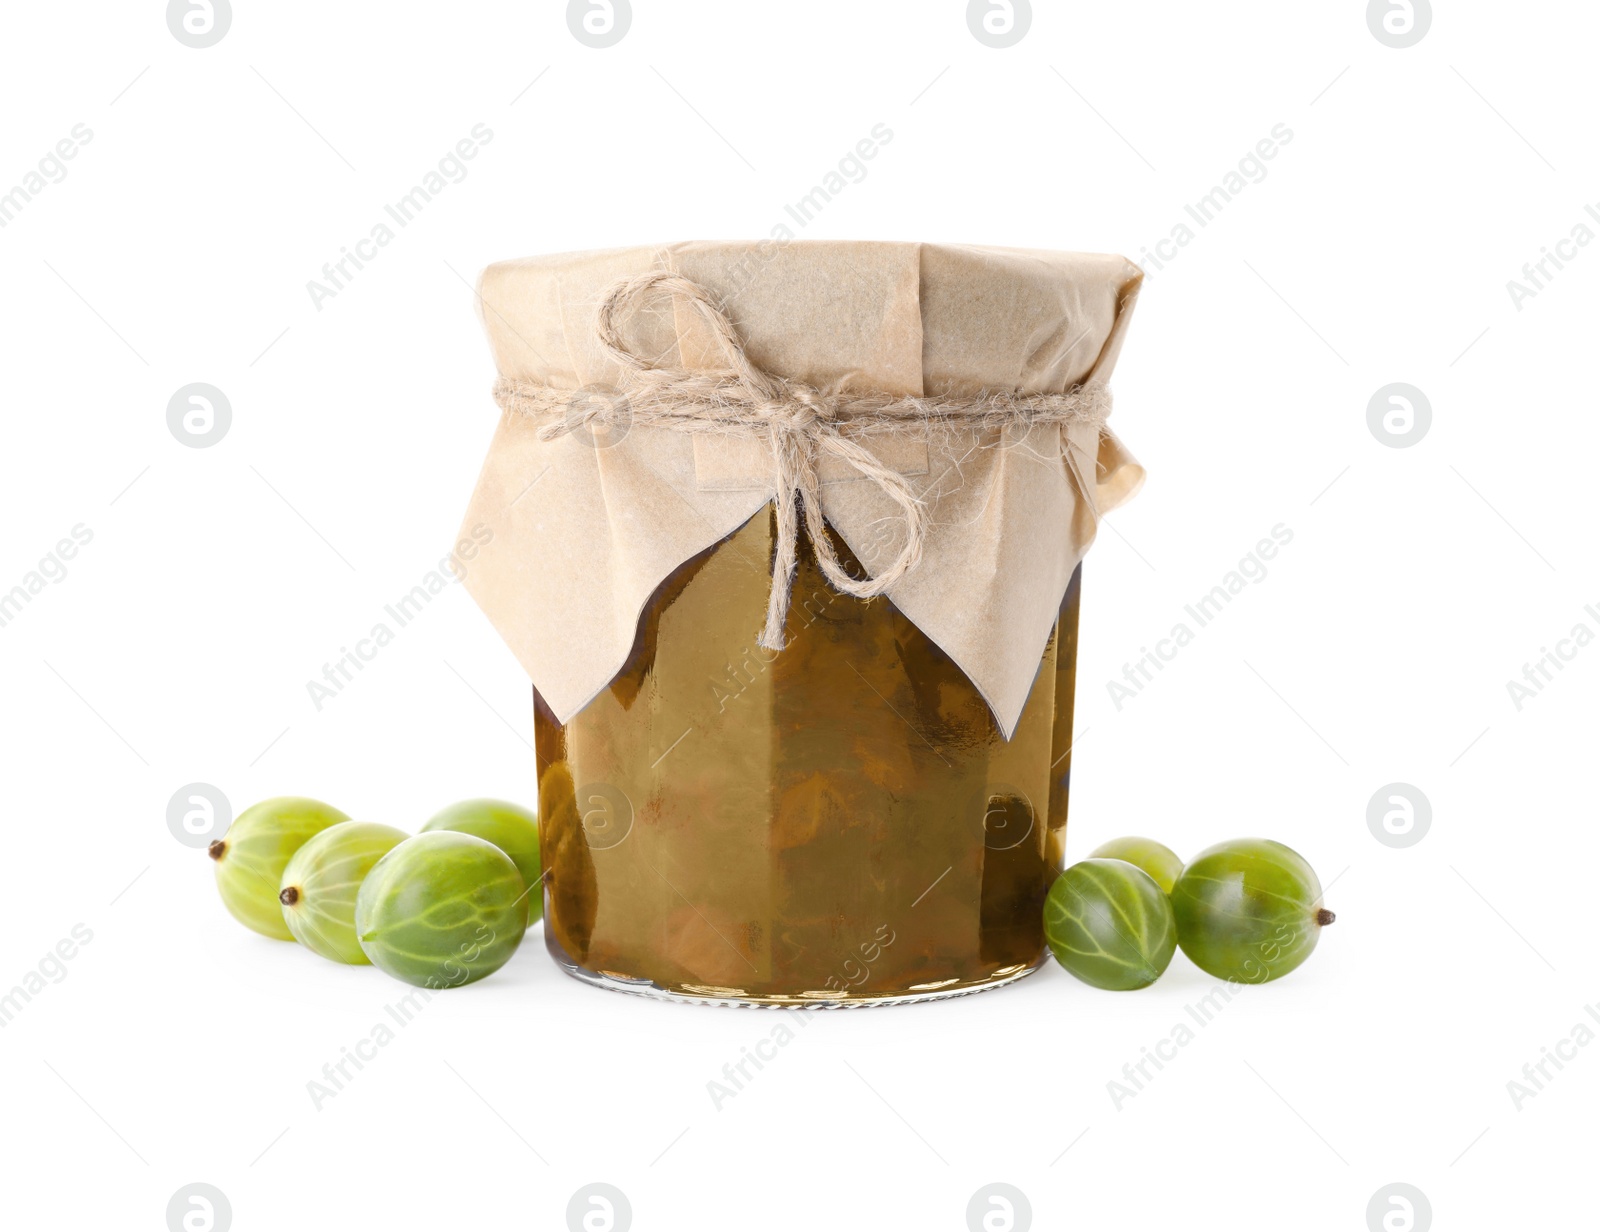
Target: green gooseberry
x,y
1157,859
442,909
1109,924
252,855
318,894
1249,910
509,827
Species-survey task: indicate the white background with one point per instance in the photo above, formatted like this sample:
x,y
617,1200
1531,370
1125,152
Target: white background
x,y
178,1046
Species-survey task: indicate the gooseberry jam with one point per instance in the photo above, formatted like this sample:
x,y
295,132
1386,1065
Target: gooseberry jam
x,y
837,823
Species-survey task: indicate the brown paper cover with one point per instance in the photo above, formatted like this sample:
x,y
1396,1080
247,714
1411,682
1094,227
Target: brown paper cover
x,y
580,536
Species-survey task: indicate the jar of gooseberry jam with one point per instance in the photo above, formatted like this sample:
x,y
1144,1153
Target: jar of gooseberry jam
x,y
838,823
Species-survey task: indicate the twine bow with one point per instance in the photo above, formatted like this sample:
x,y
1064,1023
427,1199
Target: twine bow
x,y
800,424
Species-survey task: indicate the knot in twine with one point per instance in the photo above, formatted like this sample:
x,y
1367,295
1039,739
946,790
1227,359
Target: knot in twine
x,y
800,425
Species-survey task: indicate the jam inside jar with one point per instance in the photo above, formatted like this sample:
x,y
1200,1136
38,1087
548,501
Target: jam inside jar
x,y
837,823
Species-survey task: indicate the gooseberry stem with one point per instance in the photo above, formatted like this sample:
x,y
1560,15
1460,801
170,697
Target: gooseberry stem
x,y
289,896
1325,917
216,849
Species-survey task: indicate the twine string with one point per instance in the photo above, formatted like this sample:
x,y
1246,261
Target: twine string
x,y
799,424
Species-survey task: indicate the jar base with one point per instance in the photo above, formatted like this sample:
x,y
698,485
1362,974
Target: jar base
x,y
738,999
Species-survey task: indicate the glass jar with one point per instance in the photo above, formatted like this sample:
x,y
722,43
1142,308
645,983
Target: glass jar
x,y
837,823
